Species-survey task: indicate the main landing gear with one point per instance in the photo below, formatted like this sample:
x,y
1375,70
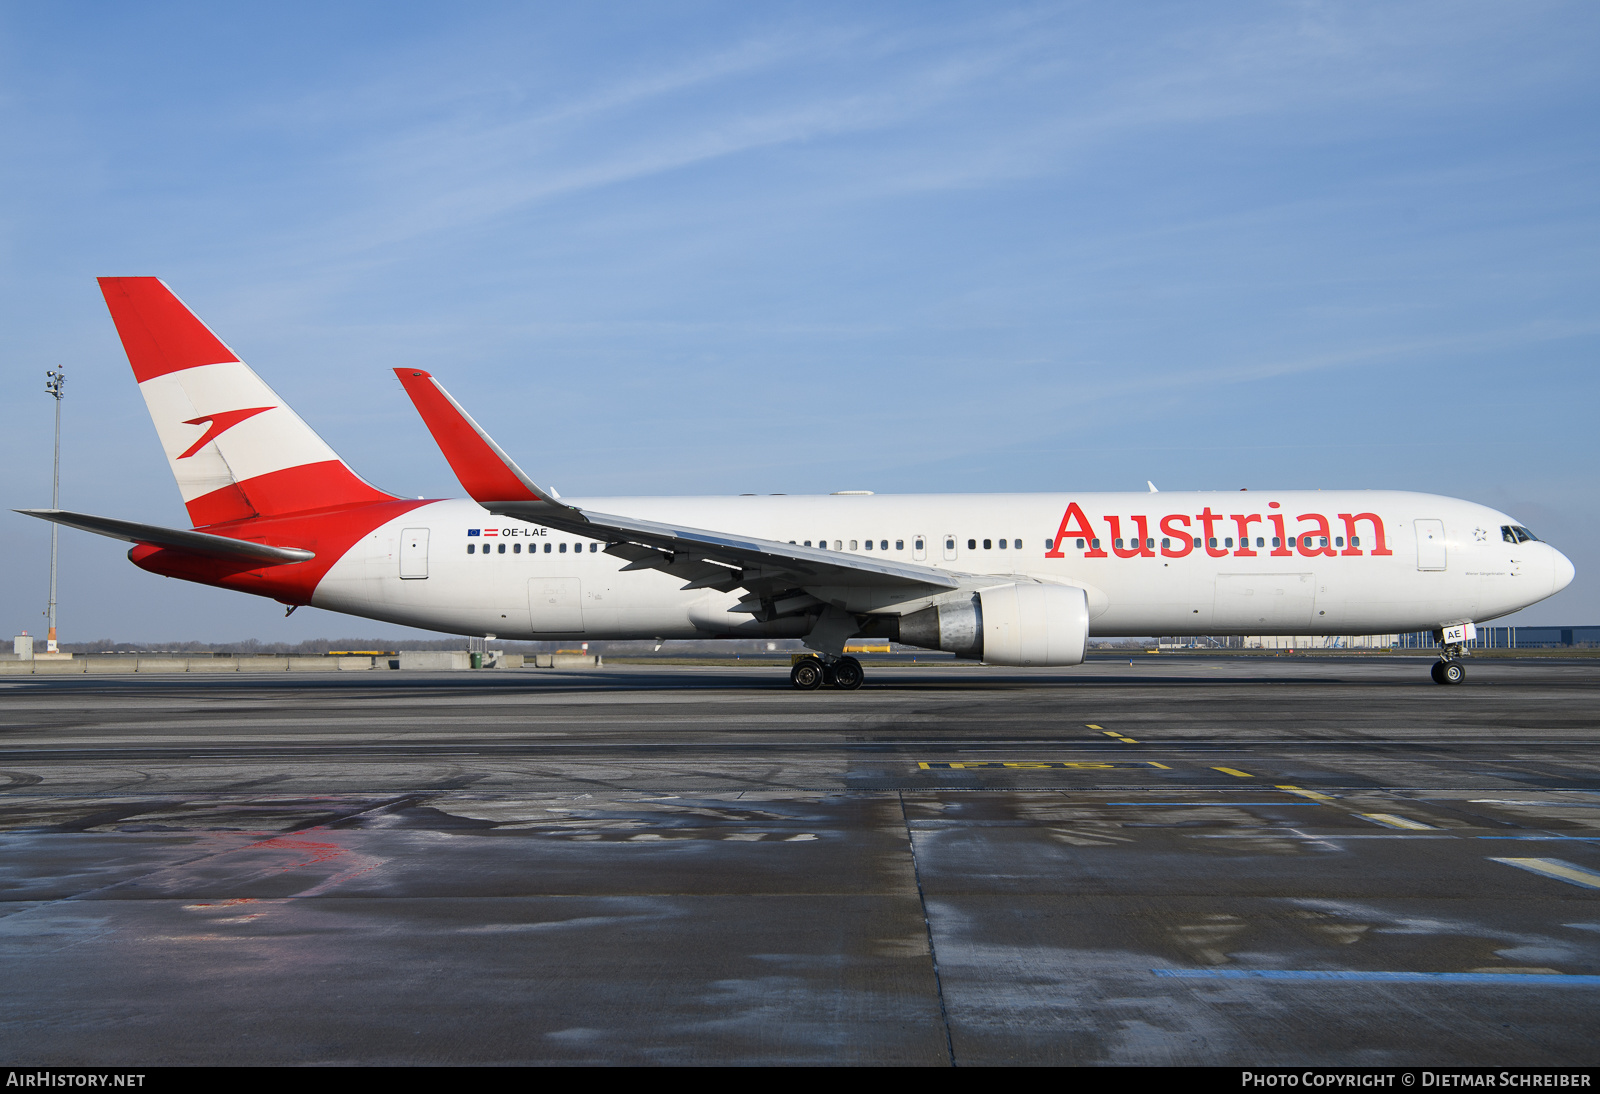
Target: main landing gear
x,y
1450,670
810,673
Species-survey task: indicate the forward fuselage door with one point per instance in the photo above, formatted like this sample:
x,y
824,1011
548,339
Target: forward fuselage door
x,y
414,553
1431,553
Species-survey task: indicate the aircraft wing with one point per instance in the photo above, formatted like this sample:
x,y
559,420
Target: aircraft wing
x,y
706,559
200,543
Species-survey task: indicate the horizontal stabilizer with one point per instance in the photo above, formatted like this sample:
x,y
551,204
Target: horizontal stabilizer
x,y
200,543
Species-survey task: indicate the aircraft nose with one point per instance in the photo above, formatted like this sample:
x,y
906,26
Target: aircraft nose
x,y
1565,571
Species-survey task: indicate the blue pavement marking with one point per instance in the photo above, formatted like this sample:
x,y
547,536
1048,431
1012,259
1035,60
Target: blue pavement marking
x,y
1528,978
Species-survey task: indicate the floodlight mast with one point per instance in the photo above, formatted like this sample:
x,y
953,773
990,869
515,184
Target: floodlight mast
x,y
55,379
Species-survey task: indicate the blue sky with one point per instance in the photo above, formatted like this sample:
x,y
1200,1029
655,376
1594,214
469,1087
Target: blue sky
x,y
718,248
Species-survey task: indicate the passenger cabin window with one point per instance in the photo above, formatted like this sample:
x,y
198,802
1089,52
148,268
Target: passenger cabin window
x,y
883,545
988,545
807,543
900,545
1002,545
516,548
1165,543
547,548
1197,541
972,545
1080,545
1017,543
470,548
852,545
502,548
869,545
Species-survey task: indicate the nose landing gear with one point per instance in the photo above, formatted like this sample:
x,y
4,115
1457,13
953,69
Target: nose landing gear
x,y
810,673
1449,669
1454,639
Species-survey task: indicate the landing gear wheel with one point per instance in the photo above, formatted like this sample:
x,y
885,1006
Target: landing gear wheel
x,y
1452,672
806,674
848,674
1436,672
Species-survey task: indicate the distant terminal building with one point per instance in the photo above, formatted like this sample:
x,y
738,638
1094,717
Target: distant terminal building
x,y
1513,638
1489,638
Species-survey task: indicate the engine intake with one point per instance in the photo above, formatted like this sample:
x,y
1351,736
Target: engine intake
x,y
1006,625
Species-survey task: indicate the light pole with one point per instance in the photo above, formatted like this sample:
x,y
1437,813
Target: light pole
x,y
55,379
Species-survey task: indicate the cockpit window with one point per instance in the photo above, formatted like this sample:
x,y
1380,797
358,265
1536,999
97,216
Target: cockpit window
x,y
1516,533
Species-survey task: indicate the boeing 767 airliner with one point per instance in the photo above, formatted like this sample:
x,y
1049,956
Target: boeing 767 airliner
x,y
1011,579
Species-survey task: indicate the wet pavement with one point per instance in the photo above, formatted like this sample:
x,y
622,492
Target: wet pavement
x,y
1201,861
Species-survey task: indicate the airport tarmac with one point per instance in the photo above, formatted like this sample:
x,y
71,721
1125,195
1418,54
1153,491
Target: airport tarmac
x,y
1175,861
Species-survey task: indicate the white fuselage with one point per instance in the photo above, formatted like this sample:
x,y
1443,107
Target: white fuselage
x,y
523,581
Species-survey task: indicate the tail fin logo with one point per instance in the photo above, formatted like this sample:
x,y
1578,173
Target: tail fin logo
x,y
220,424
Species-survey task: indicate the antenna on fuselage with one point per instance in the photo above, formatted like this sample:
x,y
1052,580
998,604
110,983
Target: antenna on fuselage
x,y
1152,486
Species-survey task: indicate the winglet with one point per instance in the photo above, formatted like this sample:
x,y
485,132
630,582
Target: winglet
x,y
487,473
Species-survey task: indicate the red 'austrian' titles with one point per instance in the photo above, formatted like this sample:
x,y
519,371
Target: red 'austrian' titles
x,y
1313,535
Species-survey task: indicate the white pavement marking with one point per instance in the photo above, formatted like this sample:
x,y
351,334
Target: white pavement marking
x,y
1394,820
1554,867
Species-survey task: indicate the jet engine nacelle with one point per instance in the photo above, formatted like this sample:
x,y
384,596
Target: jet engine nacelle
x,y
1007,625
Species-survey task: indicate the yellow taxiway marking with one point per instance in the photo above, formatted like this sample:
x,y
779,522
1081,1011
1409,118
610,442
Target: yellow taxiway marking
x,y
1118,736
1035,765
1234,771
1091,725
1312,794
1392,820
1554,867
